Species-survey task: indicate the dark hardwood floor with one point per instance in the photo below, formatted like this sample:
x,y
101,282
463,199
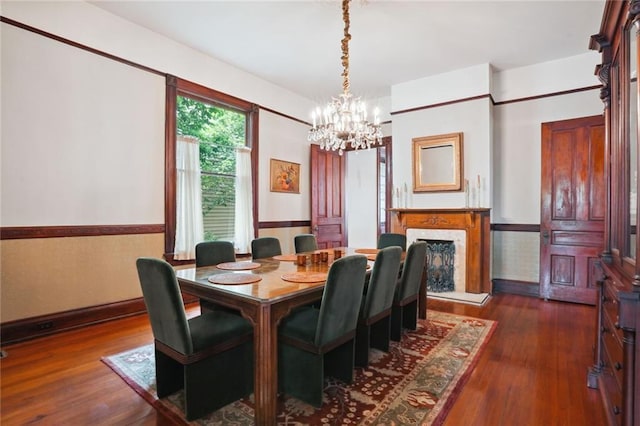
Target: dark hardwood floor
x,y
532,371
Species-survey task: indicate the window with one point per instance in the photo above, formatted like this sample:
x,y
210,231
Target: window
x,y
218,131
220,123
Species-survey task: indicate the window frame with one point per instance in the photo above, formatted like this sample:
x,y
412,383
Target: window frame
x,y
178,87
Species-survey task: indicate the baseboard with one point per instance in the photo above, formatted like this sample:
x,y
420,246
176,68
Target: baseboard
x,y
45,325
522,288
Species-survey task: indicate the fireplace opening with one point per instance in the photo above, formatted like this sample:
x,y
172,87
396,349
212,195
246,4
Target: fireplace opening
x,y
439,264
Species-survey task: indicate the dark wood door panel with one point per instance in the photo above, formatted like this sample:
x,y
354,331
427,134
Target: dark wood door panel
x,y
572,208
327,198
577,238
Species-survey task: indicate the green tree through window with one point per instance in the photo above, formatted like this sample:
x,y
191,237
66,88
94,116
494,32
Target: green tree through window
x,y
220,131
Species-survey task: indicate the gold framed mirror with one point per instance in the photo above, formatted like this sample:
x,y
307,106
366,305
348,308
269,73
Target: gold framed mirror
x,y
437,163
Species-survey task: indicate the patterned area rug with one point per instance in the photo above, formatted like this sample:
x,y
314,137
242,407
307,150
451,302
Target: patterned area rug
x,y
415,383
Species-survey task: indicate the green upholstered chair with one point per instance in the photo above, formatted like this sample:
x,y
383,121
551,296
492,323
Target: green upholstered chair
x,y
305,242
390,239
374,322
209,356
314,343
214,252
265,247
209,253
404,312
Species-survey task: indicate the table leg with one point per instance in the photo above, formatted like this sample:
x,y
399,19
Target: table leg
x,y
266,367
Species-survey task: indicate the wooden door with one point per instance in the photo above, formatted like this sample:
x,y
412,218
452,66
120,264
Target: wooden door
x,y
572,208
327,197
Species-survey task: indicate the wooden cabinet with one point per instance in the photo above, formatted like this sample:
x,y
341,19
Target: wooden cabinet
x,y
616,369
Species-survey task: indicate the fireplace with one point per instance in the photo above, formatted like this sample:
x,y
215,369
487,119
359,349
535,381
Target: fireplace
x,y
469,229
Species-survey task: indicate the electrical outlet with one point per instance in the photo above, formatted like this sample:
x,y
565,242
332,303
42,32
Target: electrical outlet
x,y
45,325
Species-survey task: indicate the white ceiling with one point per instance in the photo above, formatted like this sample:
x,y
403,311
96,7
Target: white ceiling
x,y
296,44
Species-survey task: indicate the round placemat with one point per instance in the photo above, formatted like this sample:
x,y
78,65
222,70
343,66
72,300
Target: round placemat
x,y
285,257
305,277
367,251
234,278
237,266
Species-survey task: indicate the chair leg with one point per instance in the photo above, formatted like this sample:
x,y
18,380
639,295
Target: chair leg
x,y
381,333
303,376
396,323
169,375
410,315
339,362
362,345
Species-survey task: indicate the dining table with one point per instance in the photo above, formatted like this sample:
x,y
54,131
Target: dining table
x,y
265,291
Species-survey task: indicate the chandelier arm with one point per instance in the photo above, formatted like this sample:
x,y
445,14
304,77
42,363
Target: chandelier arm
x,y
345,47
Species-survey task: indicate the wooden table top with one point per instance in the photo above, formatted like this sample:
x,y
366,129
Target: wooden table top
x,y
271,287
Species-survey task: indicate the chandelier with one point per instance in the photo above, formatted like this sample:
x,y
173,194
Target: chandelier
x,y
343,121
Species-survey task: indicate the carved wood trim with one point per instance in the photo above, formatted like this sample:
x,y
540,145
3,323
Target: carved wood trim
x,y
515,227
26,232
441,104
72,43
284,224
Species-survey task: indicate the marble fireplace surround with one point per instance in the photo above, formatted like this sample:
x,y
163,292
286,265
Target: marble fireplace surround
x,y
474,223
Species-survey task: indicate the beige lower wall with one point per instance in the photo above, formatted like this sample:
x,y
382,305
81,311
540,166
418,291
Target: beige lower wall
x,y
516,256
285,235
48,275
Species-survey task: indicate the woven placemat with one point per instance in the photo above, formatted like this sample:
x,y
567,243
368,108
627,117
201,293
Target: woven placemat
x,y
234,278
285,257
305,277
238,266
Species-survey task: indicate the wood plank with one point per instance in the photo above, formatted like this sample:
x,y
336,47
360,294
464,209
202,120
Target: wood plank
x,y
532,371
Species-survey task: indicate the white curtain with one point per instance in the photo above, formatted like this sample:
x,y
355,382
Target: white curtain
x,y
189,228
244,201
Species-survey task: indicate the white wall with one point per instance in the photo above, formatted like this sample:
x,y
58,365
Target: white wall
x,y
451,86
575,72
96,28
283,139
362,192
82,136
472,118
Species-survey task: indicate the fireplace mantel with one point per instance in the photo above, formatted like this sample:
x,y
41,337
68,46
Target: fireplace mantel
x,y
474,221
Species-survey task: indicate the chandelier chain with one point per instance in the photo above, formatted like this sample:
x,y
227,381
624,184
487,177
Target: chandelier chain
x,y
343,122
345,46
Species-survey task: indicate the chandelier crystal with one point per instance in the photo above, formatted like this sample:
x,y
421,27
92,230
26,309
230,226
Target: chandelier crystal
x,y
343,121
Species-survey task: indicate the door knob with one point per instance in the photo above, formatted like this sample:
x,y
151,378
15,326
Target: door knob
x,y
545,236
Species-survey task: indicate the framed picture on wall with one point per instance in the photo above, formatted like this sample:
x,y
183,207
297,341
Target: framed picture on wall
x,y
285,176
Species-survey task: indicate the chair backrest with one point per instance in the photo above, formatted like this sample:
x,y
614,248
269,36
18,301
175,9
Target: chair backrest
x,y
305,242
382,284
341,299
390,239
265,247
214,252
409,283
164,303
